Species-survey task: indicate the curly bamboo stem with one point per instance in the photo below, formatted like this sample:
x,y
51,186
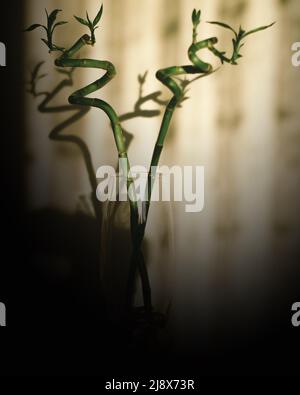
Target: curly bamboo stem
x,y
79,98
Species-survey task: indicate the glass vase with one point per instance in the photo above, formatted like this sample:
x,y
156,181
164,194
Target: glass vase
x,y
117,251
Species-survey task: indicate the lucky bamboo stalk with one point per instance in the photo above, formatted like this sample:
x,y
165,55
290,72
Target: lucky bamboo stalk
x,y
167,77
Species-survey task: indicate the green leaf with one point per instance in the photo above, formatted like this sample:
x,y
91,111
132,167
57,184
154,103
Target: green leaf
x,y
90,24
98,16
52,17
241,32
196,17
58,24
33,27
82,21
223,25
258,29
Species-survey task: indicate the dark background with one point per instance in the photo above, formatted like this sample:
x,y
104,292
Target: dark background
x,y
52,331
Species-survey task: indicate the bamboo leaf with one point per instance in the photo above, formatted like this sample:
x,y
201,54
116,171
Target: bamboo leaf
x,y
241,32
82,21
90,24
52,17
196,17
58,24
258,29
225,25
98,16
33,27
